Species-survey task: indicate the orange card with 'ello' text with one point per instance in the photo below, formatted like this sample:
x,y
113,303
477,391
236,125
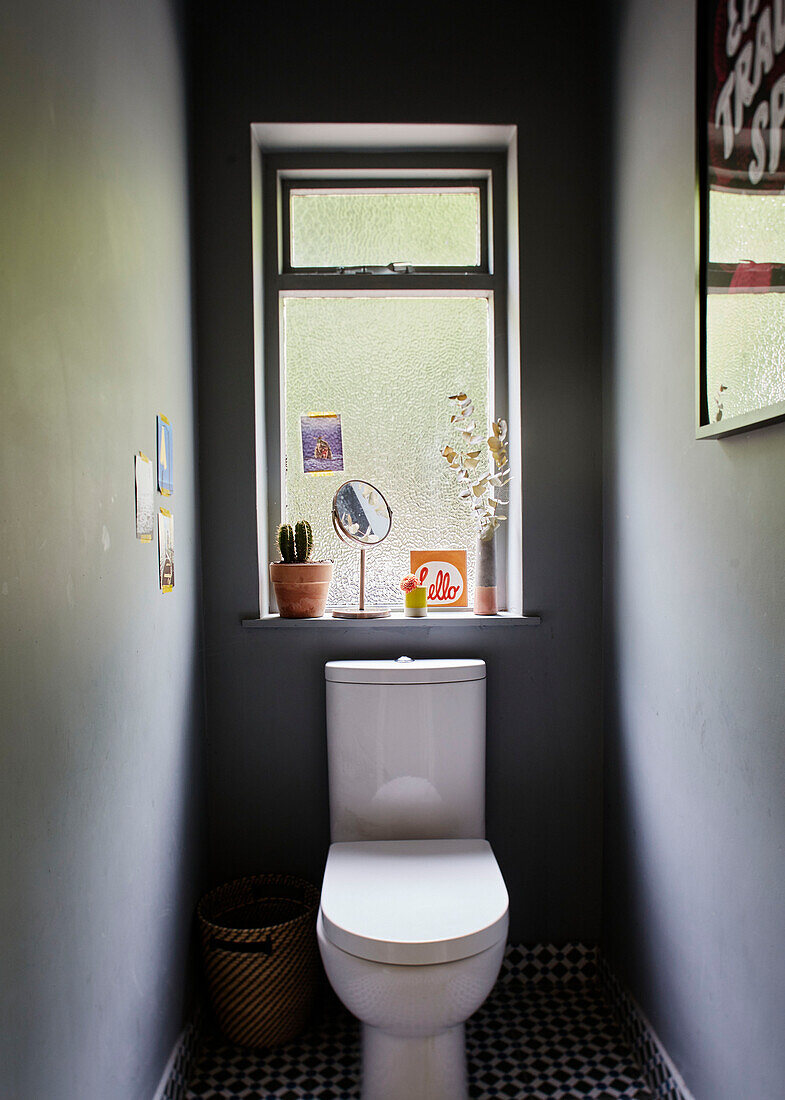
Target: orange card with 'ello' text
x,y
443,574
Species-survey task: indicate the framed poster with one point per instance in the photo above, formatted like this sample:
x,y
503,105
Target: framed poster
x,y
741,223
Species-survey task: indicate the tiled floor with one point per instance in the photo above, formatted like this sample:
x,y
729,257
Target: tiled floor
x,y
536,1041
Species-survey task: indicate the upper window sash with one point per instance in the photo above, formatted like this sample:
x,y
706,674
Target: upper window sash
x,y
395,266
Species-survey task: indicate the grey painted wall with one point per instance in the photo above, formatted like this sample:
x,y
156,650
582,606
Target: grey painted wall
x,y
99,678
695,837
265,695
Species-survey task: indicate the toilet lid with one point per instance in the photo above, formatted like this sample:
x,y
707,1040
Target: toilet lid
x,y
413,901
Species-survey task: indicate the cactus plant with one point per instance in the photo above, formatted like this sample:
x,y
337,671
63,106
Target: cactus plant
x,y
303,540
295,542
285,540
301,585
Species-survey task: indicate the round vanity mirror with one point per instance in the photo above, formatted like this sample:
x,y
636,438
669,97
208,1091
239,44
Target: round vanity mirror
x,y
361,517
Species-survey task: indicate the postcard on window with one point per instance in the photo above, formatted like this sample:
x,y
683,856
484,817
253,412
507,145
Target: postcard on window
x,y
165,478
145,497
166,550
322,443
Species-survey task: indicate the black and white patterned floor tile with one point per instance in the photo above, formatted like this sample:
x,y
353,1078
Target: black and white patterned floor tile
x,y
543,1041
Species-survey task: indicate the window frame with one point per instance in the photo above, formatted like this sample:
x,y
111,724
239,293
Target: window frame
x,y
273,173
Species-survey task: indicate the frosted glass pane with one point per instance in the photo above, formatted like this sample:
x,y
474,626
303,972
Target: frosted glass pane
x,y
387,366
349,229
745,352
746,227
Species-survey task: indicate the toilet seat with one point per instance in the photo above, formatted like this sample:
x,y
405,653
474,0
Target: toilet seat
x,y
413,902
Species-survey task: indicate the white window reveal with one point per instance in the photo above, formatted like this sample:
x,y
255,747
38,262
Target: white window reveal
x,y
385,291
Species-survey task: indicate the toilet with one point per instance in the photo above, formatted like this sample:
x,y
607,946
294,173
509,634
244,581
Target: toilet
x,y
413,919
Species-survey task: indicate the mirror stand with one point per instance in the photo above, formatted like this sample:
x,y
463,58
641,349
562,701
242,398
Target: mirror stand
x,y
361,612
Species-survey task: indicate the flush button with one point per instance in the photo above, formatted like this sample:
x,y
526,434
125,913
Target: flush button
x,y
405,661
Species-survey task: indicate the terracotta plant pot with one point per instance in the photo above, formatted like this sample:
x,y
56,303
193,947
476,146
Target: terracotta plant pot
x,y
301,588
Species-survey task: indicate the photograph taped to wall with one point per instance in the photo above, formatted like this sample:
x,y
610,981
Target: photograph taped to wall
x,y
165,456
322,443
145,497
165,550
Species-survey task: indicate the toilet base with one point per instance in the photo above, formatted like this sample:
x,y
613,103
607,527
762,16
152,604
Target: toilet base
x,y
429,1067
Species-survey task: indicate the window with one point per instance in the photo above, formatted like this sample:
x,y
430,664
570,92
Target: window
x,y
384,291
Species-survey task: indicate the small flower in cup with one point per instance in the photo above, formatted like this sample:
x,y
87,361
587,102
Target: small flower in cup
x,y
408,583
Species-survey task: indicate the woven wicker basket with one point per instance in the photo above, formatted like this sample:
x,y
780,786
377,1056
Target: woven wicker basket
x,y
260,953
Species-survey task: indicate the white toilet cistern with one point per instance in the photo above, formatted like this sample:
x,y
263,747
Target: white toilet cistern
x,y
414,912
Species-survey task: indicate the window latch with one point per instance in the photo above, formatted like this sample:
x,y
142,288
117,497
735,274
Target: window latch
x,y
389,269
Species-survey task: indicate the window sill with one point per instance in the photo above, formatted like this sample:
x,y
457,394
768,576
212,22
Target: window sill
x,y
398,621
